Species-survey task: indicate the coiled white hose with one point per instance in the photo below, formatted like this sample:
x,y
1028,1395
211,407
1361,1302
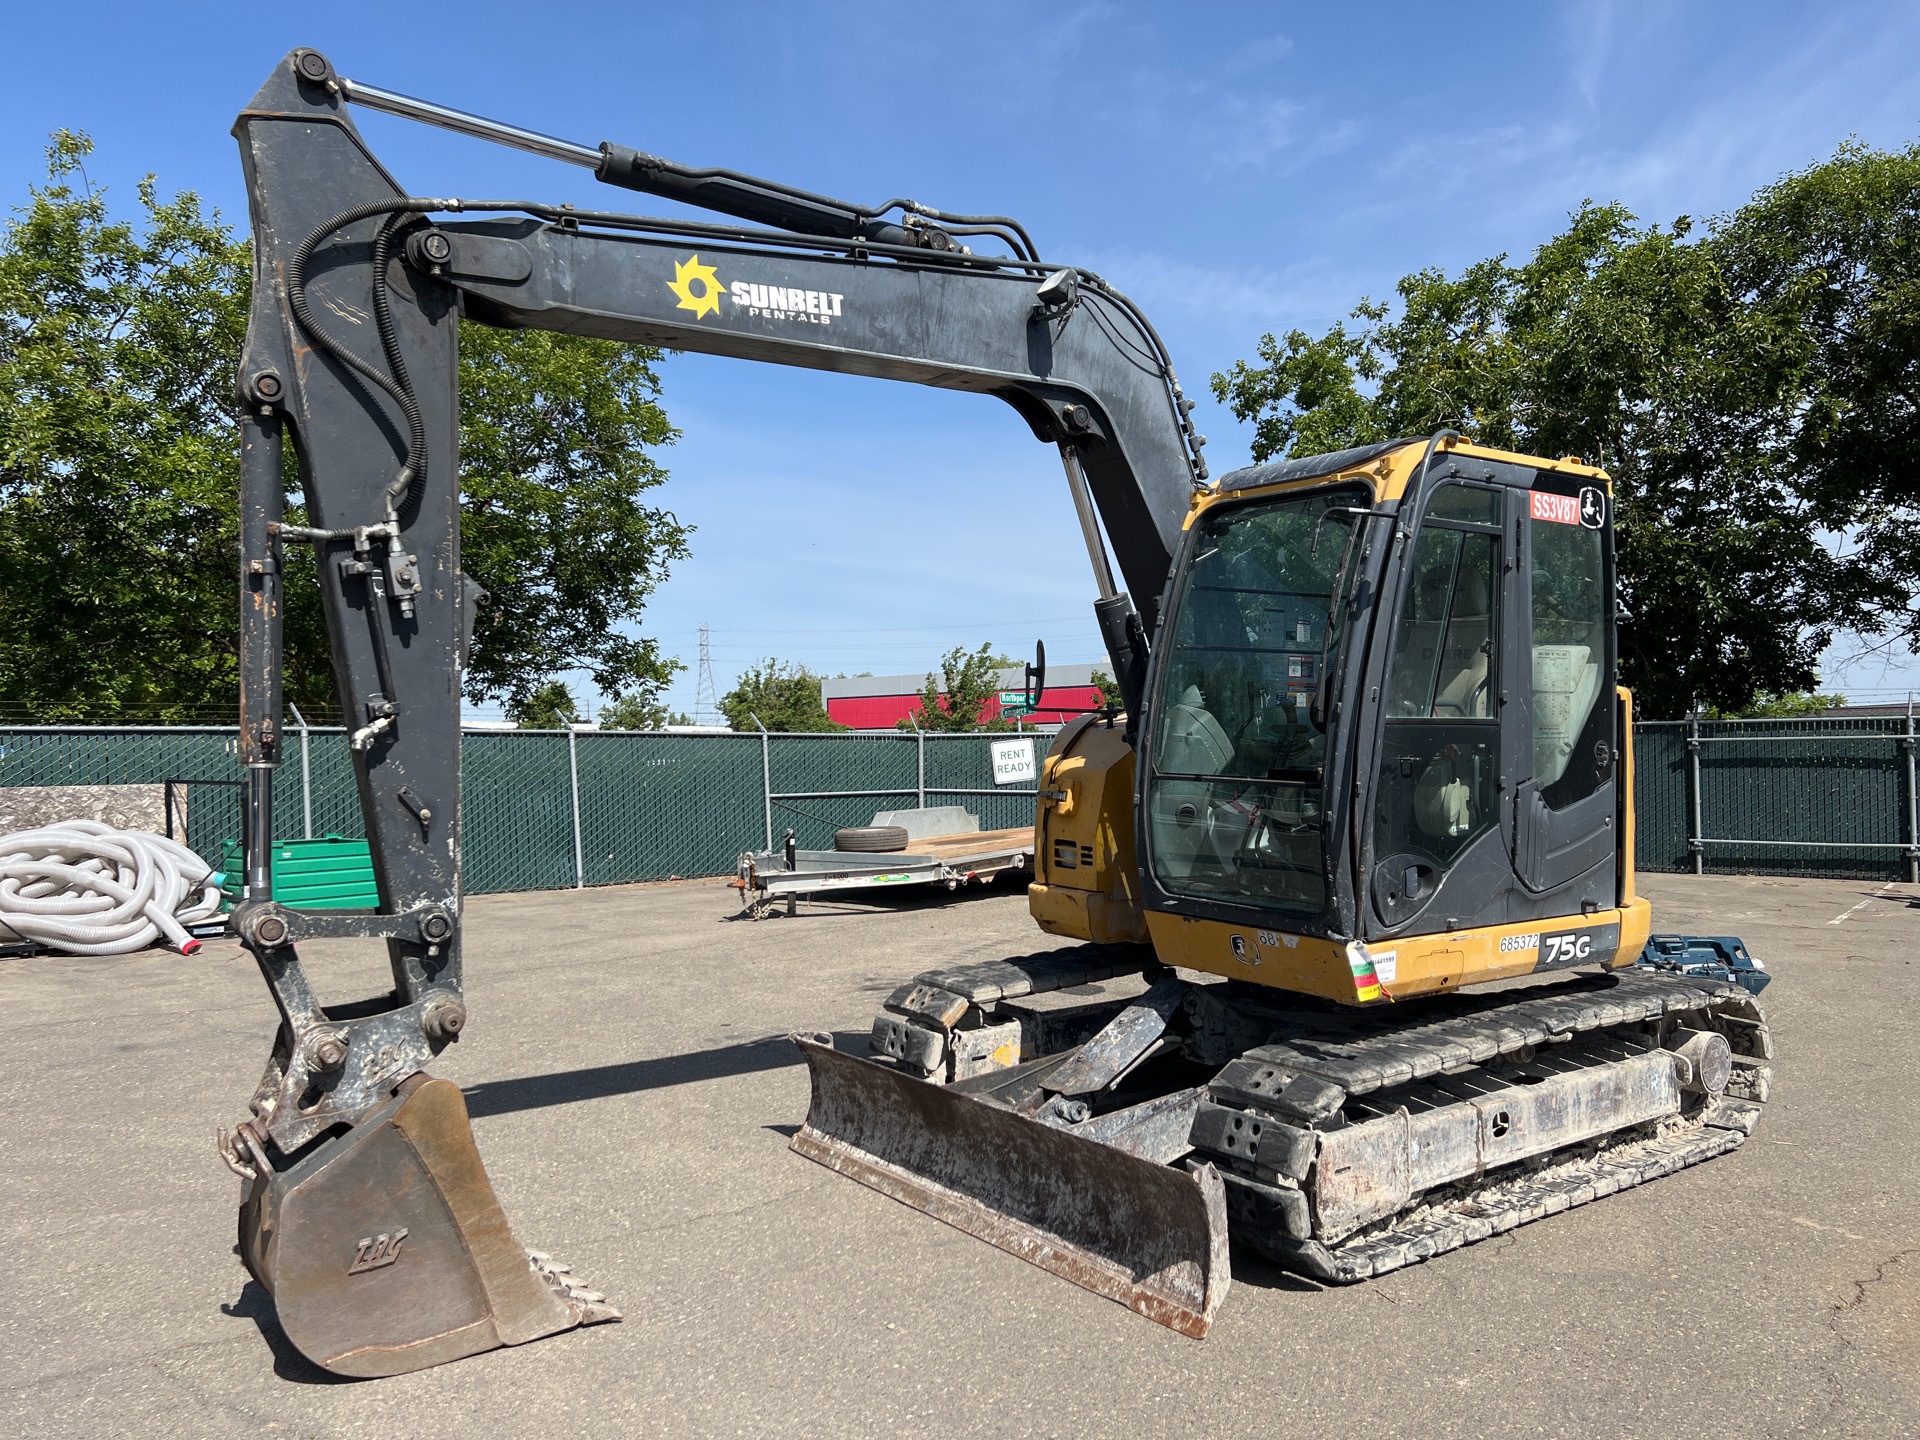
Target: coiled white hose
x,y
89,889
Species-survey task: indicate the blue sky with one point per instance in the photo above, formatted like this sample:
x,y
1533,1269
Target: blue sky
x,y
1236,168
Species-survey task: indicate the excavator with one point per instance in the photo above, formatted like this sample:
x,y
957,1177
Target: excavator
x,y
1369,760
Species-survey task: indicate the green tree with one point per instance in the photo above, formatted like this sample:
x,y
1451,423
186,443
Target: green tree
x,y
1107,690
119,467
555,432
1782,707
639,712
1744,389
550,706
119,477
783,695
957,698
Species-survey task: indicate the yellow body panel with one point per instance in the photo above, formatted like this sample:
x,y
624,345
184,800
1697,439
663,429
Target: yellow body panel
x,y
1627,838
1387,476
1086,877
1398,969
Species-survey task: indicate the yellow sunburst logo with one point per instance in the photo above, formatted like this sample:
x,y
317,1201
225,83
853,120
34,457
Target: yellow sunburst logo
x,y
697,286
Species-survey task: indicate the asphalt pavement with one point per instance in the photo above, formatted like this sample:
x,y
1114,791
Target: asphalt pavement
x,y
633,1096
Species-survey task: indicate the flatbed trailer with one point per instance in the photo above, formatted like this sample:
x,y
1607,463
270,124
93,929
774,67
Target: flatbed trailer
x,y
768,876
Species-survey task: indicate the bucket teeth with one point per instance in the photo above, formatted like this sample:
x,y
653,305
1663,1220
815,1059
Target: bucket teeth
x,y
591,1304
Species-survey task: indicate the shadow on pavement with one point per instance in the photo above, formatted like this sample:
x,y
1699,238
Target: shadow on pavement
x,y
1250,1268
535,1092
288,1363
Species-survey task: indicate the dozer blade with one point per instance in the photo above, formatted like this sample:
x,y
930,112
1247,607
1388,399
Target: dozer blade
x,y
1149,1236
385,1250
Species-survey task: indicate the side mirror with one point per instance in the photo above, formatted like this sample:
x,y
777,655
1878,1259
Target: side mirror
x,y
1036,681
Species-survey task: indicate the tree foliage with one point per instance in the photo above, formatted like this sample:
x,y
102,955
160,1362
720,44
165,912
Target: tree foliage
x,y
555,434
958,698
1782,707
119,466
1106,691
119,477
1752,391
781,695
639,711
550,706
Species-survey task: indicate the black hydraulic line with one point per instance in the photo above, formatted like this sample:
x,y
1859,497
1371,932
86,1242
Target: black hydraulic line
x,y
414,466
989,224
405,487
706,230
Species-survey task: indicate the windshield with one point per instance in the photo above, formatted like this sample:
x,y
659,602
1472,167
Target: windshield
x,y
1233,801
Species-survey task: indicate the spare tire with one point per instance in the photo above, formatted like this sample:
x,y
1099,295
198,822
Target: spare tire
x,y
871,839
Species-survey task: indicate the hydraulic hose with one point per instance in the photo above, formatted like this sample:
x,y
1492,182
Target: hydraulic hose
x,y
89,889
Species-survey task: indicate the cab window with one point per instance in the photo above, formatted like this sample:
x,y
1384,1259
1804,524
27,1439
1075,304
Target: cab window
x,y
1572,756
1440,764
1234,797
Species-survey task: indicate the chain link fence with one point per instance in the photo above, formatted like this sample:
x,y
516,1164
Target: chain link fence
x,y
551,809
548,810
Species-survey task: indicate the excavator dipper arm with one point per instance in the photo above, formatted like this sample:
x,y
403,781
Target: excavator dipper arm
x,y
367,1213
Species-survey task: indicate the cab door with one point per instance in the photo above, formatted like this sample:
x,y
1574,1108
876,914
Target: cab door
x,y
1563,654
1438,845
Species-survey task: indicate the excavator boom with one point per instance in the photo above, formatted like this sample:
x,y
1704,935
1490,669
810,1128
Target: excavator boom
x,y
368,1215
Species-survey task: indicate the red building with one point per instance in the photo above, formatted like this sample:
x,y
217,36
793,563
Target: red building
x,y
881,702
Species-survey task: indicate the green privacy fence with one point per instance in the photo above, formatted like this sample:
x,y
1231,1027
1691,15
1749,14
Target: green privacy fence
x,y
547,810
1825,796
551,809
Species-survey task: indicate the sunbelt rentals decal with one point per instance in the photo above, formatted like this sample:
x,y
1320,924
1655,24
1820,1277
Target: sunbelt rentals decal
x,y
700,289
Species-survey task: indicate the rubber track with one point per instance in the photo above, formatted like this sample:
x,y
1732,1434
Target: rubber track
x,y
992,981
1496,1025
1493,1026
1434,1230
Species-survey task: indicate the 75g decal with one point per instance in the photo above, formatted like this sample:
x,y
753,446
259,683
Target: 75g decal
x,y
1565,949
1575,947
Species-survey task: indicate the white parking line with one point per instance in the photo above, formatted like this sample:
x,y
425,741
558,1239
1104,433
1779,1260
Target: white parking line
x,y
1864,903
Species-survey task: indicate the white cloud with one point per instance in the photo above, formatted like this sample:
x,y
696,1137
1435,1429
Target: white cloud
x,y
1311,294
1589,30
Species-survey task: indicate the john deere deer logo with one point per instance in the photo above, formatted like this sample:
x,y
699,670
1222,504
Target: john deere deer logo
x,y
376,1251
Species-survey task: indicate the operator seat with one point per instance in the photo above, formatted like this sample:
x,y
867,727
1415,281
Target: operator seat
x,y
1443,802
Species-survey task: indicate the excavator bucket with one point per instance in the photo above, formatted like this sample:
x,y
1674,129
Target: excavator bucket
x,y
385,1250
1145,1234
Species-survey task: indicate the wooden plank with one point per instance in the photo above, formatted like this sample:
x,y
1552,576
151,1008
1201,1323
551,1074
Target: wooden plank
x,y
977,842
